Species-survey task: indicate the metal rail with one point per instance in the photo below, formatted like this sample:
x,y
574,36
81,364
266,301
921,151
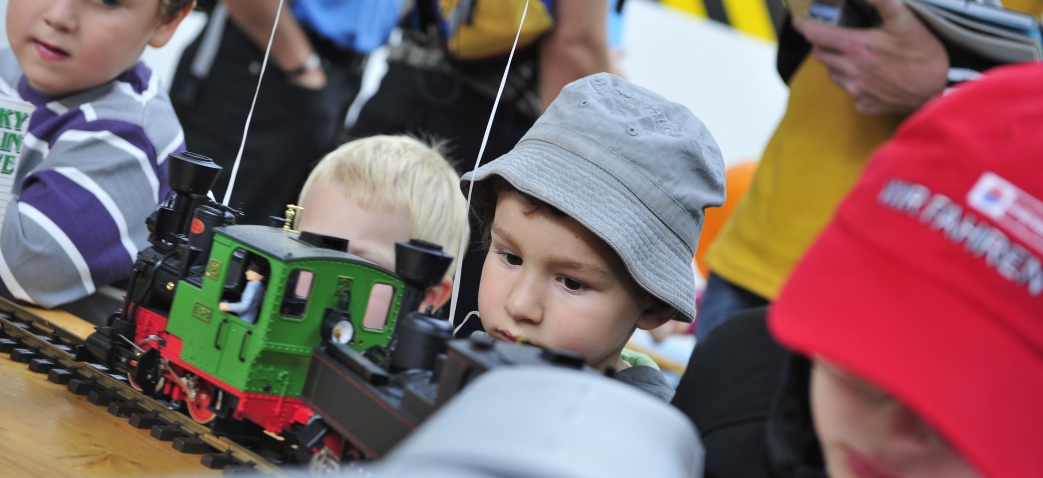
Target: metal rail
x,y
21,325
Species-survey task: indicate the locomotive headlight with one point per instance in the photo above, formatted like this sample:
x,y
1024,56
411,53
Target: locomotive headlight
x,y
343,332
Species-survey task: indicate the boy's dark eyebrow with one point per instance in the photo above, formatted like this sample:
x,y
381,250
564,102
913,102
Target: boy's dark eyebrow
x,y
560,261
495,229
582,267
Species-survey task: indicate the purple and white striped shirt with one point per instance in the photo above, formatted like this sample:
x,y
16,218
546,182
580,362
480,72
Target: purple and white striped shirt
x,y
92,169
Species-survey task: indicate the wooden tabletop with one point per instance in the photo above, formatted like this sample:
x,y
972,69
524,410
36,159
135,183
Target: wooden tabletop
x,y
70,322
46,431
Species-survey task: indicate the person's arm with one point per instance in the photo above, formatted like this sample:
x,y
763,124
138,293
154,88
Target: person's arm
x,y
895,68
577,47
79,219
290,48
247,300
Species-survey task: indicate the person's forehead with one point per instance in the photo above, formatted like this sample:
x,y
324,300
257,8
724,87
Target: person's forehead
x,y
371,231
326,199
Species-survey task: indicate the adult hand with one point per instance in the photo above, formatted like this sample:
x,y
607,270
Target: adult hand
x,y
291,46
894,68
223,306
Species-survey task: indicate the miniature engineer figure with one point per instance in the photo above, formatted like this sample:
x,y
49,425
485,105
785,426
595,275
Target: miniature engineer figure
x,y
253,294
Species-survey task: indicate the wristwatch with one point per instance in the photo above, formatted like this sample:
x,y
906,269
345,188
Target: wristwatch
x,y
313,62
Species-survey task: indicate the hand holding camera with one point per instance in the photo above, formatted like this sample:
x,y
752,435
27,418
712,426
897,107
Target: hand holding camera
x,y
894,67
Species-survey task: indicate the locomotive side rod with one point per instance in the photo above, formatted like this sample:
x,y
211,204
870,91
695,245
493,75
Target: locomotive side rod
x,y
46,356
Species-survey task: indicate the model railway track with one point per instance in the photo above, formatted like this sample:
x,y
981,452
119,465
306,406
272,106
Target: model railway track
x,y
51,349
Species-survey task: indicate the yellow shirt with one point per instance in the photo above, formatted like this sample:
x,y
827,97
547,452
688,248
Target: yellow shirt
x,y
813,159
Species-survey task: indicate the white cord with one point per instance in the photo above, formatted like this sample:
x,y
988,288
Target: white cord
x,y
473,313
246,129
464,239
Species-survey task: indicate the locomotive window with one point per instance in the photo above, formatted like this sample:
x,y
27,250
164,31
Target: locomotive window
x,y
236,280
235,274
298,289
380,297
235,267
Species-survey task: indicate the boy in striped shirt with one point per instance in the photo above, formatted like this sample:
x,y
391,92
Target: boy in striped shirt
x,y
91,167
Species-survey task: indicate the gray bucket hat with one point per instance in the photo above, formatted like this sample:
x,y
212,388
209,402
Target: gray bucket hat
x,y
629,165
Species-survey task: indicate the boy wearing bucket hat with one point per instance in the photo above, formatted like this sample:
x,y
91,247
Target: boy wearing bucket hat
x,y
920,307
593,219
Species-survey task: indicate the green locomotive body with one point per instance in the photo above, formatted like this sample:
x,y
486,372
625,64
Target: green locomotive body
x,y
271,356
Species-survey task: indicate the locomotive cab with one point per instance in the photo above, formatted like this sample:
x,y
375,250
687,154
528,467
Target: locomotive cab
x,y
253,356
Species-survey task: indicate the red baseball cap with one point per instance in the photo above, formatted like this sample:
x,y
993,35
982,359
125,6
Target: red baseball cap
x,y
929,283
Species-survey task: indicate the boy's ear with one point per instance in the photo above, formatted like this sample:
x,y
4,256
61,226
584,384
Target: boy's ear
x,y
167,26
438,295
657,314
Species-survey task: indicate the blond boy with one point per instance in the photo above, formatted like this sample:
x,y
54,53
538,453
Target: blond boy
x,y
594,217
91,168
381,190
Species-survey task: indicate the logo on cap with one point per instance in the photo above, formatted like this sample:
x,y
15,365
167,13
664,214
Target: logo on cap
x,y
992,195
977,236
1015,210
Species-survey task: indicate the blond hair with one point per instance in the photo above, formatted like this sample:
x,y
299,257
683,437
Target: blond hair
x,y
404,174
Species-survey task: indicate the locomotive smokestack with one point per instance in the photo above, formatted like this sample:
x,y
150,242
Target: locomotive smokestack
x,y
421,265
190,176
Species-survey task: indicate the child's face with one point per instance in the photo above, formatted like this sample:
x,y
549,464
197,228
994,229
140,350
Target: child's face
x,y
866,433
371,232
552,282
66,46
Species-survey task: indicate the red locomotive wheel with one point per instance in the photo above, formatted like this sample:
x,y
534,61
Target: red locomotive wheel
x,y
197,408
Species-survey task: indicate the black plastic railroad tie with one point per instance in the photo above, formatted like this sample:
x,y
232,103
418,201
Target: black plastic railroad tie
x,y
124,408
99,367
191,445
102,398
42,365
60,376
24,355
82,386
217,461
142,421
167,432
8,345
